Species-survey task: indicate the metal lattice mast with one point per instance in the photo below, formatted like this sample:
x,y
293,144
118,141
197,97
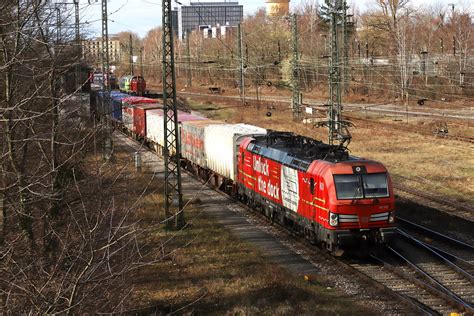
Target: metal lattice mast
x,y
337,127
141,62
189,74
77,21
295,66
241,64
78,43
345,31
131,54
334,75
105,57
173,191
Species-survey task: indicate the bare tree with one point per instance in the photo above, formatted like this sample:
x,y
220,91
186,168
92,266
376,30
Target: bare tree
x,y
68,238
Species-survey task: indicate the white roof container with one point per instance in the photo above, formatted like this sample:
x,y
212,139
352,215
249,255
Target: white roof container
x,y
192,141
221,143
155,126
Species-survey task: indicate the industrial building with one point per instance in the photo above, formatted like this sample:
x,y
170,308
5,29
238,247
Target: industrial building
x,y
198,16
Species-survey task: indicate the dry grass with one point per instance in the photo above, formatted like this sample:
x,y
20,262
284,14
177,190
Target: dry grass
x,y
206,269
218,112
211,272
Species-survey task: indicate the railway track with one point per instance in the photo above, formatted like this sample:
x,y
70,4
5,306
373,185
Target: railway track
x,y
438,273
418,296
417,293
449,290
449,206
315,255
353,106
431,269
414,129
456,251
362,108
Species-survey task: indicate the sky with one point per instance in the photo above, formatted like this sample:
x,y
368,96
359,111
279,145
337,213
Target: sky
x,y
142,15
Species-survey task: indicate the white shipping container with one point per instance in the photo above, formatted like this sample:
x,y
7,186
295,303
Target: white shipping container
x,y
192,140
154,126
221,143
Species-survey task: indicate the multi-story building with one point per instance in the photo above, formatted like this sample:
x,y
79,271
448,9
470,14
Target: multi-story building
x,y
206,15
92,49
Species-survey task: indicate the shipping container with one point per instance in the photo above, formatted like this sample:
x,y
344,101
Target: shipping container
x,y
139,117
221,144
155,125
192,140
127,109
136,100
103,104
117,98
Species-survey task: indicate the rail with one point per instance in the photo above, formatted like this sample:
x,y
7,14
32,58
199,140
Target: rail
x,y
441,287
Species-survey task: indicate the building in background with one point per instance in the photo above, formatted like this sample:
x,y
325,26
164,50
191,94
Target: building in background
x,y
278,7
92,49
174,21
219,31
198,16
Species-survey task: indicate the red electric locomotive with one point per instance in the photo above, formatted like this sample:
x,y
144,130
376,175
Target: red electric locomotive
x,y
334,199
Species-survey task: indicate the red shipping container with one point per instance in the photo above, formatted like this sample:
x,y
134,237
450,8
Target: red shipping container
x,y
139,117
137,100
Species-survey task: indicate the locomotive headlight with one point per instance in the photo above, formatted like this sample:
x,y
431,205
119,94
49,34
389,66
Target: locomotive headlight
x,y
391,217
333,219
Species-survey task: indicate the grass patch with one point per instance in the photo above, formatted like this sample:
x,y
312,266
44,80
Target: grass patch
x,y
210,271
210,110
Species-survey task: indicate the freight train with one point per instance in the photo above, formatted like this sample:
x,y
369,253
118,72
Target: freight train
x,y
332,198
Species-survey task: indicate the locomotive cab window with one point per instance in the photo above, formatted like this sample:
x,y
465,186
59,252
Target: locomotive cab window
x,y
348,187
375,185
360,186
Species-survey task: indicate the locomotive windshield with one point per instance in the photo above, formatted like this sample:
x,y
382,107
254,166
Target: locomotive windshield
x,y
361,186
